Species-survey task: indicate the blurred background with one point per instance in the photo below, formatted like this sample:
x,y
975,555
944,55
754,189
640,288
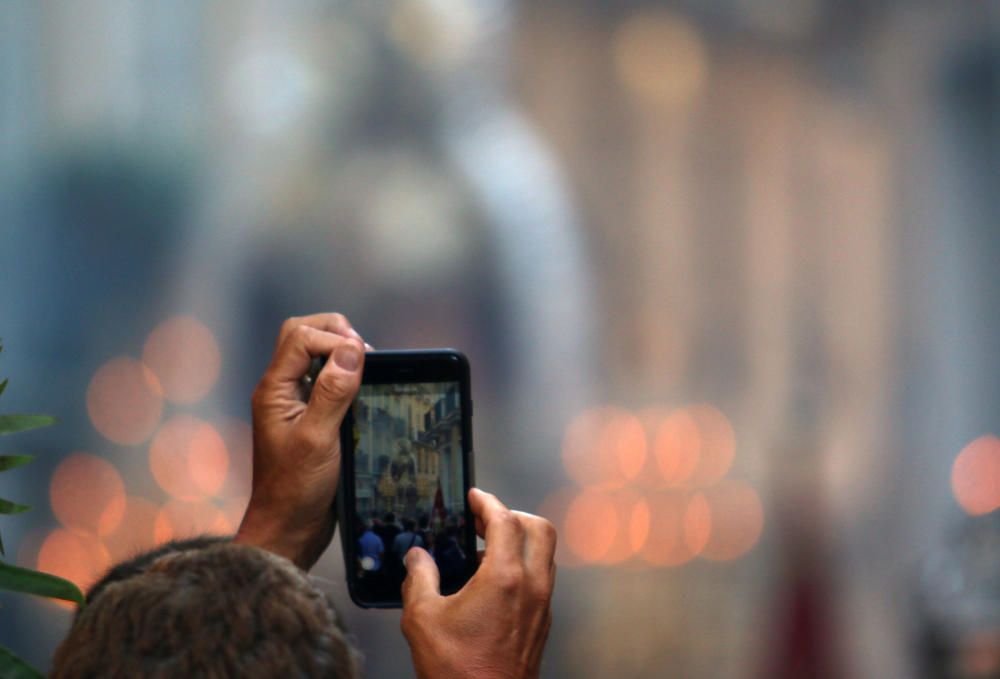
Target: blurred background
x,y
725,271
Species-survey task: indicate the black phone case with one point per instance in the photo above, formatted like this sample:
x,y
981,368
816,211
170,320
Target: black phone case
x,y
345,491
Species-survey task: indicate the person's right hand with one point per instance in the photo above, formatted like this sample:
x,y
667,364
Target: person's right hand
x,y
497,625
296,443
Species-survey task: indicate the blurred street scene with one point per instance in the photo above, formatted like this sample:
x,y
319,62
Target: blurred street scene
x,y
725,271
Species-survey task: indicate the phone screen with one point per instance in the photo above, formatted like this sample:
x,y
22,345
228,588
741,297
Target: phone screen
x,y
409,484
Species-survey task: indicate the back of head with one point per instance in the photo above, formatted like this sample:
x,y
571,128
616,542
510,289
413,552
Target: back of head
x,y
224,610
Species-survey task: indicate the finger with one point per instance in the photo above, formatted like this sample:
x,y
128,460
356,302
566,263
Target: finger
x,y
502,531
422,578
336,386
292,358
539,545
328,322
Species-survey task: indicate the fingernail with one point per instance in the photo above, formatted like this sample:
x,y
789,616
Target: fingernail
x,y
347,357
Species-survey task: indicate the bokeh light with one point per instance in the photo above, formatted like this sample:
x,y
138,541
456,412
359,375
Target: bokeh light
x,y
188,458
638,525
604,447
178,520
591,525
677,447
736,517
87,494
660,58
666,544
975,476
124,401
135,533
185,357
718,446
632,525
77,557
435,34
697,523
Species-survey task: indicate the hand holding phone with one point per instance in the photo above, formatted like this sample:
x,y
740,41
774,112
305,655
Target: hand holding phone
x,y
296,441
512,591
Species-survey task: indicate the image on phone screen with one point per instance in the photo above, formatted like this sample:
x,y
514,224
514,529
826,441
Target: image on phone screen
x,y
409,484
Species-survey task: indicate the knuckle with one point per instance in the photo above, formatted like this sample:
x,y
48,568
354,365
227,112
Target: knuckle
x,y
512,522
301,332
339,319
289,324
509,578
547,530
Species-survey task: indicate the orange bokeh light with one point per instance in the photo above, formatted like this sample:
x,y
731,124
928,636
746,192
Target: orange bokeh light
x,y
79,558
677,447
666,544
605,447
717,449
697,523
87,494
135,534
124,401
975,476
188,458
736,519
638,526
591,525
185,357
178,520
632,522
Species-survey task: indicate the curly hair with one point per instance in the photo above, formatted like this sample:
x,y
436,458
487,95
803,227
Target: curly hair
x,y
222,610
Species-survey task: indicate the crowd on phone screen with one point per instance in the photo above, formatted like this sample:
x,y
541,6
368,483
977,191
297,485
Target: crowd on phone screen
x,y
384,541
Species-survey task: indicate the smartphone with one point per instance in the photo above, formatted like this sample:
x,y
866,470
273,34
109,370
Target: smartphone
x,y
406,472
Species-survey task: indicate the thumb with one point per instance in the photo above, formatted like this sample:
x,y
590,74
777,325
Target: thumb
x,y
422,577
336,386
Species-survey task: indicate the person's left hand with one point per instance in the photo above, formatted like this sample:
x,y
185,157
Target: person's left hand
x,y
296,444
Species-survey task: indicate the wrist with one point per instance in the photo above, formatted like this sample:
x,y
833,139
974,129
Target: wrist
x,y
271,530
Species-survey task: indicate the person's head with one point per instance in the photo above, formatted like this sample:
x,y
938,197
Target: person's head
x,y
423,520
224,610
390,518
408,524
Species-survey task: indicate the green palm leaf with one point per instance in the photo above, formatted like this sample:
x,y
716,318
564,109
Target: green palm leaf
x,y
10,424
26,580
12,461
12,667
8,507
